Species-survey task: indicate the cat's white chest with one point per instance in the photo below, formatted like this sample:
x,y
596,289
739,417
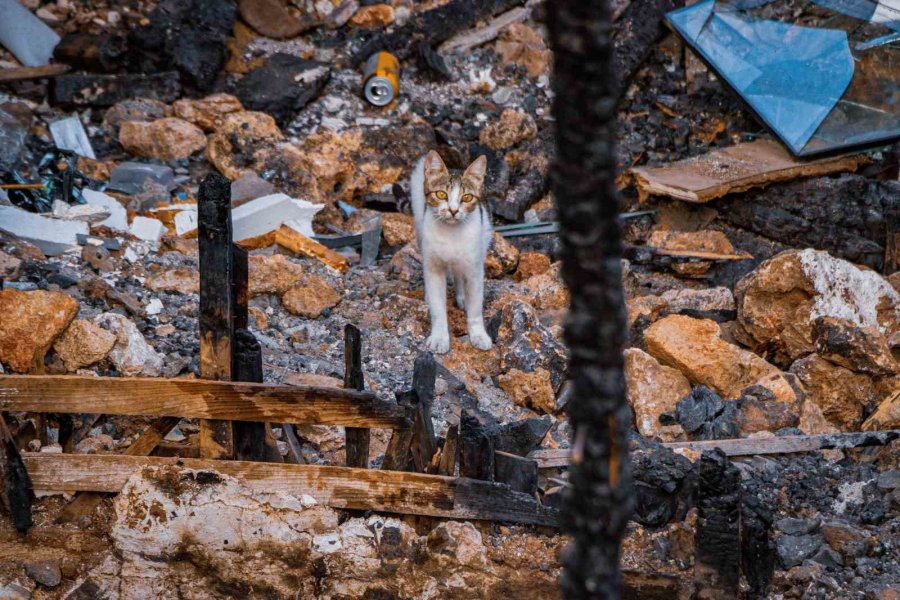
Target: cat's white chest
x,y
454,245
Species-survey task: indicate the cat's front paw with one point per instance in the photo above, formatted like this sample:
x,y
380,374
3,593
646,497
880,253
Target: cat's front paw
x,y
481,340
439,343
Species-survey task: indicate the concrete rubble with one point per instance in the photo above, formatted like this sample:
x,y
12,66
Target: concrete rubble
x,y
762,297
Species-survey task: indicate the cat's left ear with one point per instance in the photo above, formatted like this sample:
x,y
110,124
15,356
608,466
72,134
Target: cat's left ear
x,y
477,170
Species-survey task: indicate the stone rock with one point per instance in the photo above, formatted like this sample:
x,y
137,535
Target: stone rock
x,y
274,274
131,354
240,136
531,264
653,389
530,390
31,322
96,444
249,186
547,290
708,300
513,127
521,45
398,229
83,344
794,549
373,16
406,264
705,416
812,421
693,346
840,393
502,257
44,572
525,344
207,113
164,139
887,415
860,349
779,302
795,526
696,241
273,18
646,307
183,280
137,109
310,298
259,320
10,266
849,541
312,379
762,412
282,86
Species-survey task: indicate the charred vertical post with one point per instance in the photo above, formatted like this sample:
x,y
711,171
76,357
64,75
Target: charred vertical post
x,y
216,302
252,441
476,449
598,505
450,452
357,440
15,485
424,444
240,288
717,543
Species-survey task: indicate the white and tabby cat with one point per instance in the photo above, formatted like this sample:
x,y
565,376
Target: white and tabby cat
x,y
453,228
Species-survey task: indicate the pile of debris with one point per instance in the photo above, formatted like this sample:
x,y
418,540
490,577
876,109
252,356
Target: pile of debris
x,y
763,300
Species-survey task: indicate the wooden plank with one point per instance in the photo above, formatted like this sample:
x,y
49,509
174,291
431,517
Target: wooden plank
x,y
518,472
26,73
559,457
476,449
717,540
449,452
298,243
357,440
424,444
216,302
252,440
15,485
734,169
397,456
84,503
198,399
338,487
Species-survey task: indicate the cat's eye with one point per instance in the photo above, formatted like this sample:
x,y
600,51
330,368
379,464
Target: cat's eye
x,y
468,197
441,195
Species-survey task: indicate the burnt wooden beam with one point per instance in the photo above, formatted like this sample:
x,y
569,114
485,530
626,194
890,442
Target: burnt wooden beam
x,y
519,473
27,73
424,444
636,31
295,452
637,585
216,302
357,440
198,399
252,440
450,452
717,539
84,503
15,486
476,449
598,506
240,289
337,487
397,455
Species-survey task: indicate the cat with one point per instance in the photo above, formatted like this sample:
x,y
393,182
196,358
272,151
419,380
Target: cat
x,y
454,232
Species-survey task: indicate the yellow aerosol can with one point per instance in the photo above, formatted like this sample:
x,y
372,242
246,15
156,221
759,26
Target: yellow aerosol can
x,y
381,78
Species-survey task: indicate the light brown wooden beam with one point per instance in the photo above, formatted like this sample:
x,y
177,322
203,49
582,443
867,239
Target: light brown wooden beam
x,y
337,487
559,457
197,399
26,73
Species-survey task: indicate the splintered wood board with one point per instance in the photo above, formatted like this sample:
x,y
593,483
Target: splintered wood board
x,y
337,487
734,169
198,399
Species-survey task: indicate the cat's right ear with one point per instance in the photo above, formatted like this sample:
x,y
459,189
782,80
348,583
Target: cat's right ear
x,y
434,165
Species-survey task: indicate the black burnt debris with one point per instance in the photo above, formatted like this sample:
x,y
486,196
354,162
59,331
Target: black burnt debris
x,y
236,214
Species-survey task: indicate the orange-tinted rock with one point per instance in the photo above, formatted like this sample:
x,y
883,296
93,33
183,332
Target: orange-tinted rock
x,y
693,346
135,109
645,306
259,320
182,280
887,415
398,229
9,266
274,274
547,290
502,257
513,127
241,135
779,302
860,349
755,415
812,421
312,379
310,298
653,389
840,393
695,241
530,390
521,45
207,113
370,17
30,323
164,139
83,344
531,264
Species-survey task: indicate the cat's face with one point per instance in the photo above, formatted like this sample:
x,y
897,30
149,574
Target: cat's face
x,y
453,199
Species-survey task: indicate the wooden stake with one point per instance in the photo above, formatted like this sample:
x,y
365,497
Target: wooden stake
x,y
397,456
15,482
424,444
216,302
357,440
252,440
476,449
449,452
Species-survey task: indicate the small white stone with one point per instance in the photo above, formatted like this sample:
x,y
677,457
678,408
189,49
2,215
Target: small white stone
x,y
154,307
147,229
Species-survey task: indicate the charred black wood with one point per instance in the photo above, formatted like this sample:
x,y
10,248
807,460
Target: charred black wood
x,y
526,191
717,543
519,473
283,86
520,437
431,62
240,290
665,484
90,52
849,216
106,90
357,445
216,302
397,456
649,586
424,444
757,549
450,452
636,32
16,491
66,432
476,449
599,503
252,441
